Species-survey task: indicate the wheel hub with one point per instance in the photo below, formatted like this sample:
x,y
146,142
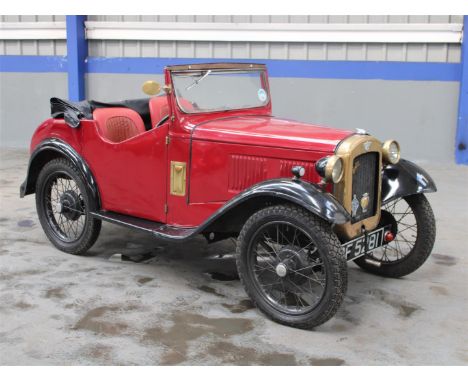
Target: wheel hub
x,y
281,270
292,258
70,205
287,268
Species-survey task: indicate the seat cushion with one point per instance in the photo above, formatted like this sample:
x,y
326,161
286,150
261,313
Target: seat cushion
x,y
159,108
118,124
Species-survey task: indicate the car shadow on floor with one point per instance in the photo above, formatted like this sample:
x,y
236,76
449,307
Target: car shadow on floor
x,y
120,244
215,263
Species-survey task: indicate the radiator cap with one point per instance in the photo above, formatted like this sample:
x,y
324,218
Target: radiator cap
x,y
361,132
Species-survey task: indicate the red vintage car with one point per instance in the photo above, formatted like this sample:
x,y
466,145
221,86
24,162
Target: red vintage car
x,y
207,157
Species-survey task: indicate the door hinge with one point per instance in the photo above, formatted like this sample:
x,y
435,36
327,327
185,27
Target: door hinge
x,y
166,208
172,118
168,139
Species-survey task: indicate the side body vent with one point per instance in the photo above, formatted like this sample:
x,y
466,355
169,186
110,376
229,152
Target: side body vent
x,y
244,171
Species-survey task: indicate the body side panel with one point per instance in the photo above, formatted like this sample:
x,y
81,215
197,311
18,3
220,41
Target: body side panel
x,y
220,171
304,194
131,174
180,211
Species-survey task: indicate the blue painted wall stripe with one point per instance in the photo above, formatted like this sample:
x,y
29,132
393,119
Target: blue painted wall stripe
x,y
359,70
77,51
461,138
33,64
363,70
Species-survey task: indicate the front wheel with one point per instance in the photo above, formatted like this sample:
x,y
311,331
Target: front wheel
x,y
413,225
292,266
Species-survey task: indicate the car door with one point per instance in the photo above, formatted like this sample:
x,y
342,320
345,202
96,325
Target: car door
x,y
131,175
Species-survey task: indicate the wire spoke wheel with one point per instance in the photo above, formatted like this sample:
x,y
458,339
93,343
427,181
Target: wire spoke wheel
x,y
65,207
64,203
292,265
406,233
413,225
287,267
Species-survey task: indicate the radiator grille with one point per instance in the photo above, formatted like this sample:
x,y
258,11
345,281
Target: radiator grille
x,y
365,186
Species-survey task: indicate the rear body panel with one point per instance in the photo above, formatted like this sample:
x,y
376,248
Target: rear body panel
x,y
132,174
57,128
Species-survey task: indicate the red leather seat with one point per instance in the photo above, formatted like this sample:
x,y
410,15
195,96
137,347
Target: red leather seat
x,y
158,109
118,124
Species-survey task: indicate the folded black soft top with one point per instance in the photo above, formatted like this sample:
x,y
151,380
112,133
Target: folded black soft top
x,y
73,112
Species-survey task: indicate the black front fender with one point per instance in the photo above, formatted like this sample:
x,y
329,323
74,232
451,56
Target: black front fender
x,y
306,195
51,149
403,179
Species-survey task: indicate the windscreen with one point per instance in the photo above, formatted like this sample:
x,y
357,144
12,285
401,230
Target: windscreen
x,y
218,90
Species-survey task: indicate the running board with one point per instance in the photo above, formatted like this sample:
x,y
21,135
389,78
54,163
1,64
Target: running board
x,y
159,230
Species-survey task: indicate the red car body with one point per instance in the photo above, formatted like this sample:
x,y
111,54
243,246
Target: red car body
x,y
132,176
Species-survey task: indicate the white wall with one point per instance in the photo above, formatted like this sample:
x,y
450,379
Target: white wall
x,y
433,52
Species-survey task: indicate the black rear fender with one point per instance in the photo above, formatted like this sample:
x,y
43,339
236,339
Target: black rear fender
x,y
48,150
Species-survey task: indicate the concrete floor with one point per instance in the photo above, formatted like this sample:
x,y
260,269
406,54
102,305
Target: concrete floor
x,y
183,304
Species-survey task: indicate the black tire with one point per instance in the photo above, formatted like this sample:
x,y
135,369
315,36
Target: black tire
x,y
416,251
63,228
327,256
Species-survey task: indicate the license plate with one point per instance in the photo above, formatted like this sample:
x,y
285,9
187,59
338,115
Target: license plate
x,y
357,247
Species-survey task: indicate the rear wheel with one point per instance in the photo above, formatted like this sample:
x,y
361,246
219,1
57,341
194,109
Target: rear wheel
x,y
292,266
63,205
413,225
